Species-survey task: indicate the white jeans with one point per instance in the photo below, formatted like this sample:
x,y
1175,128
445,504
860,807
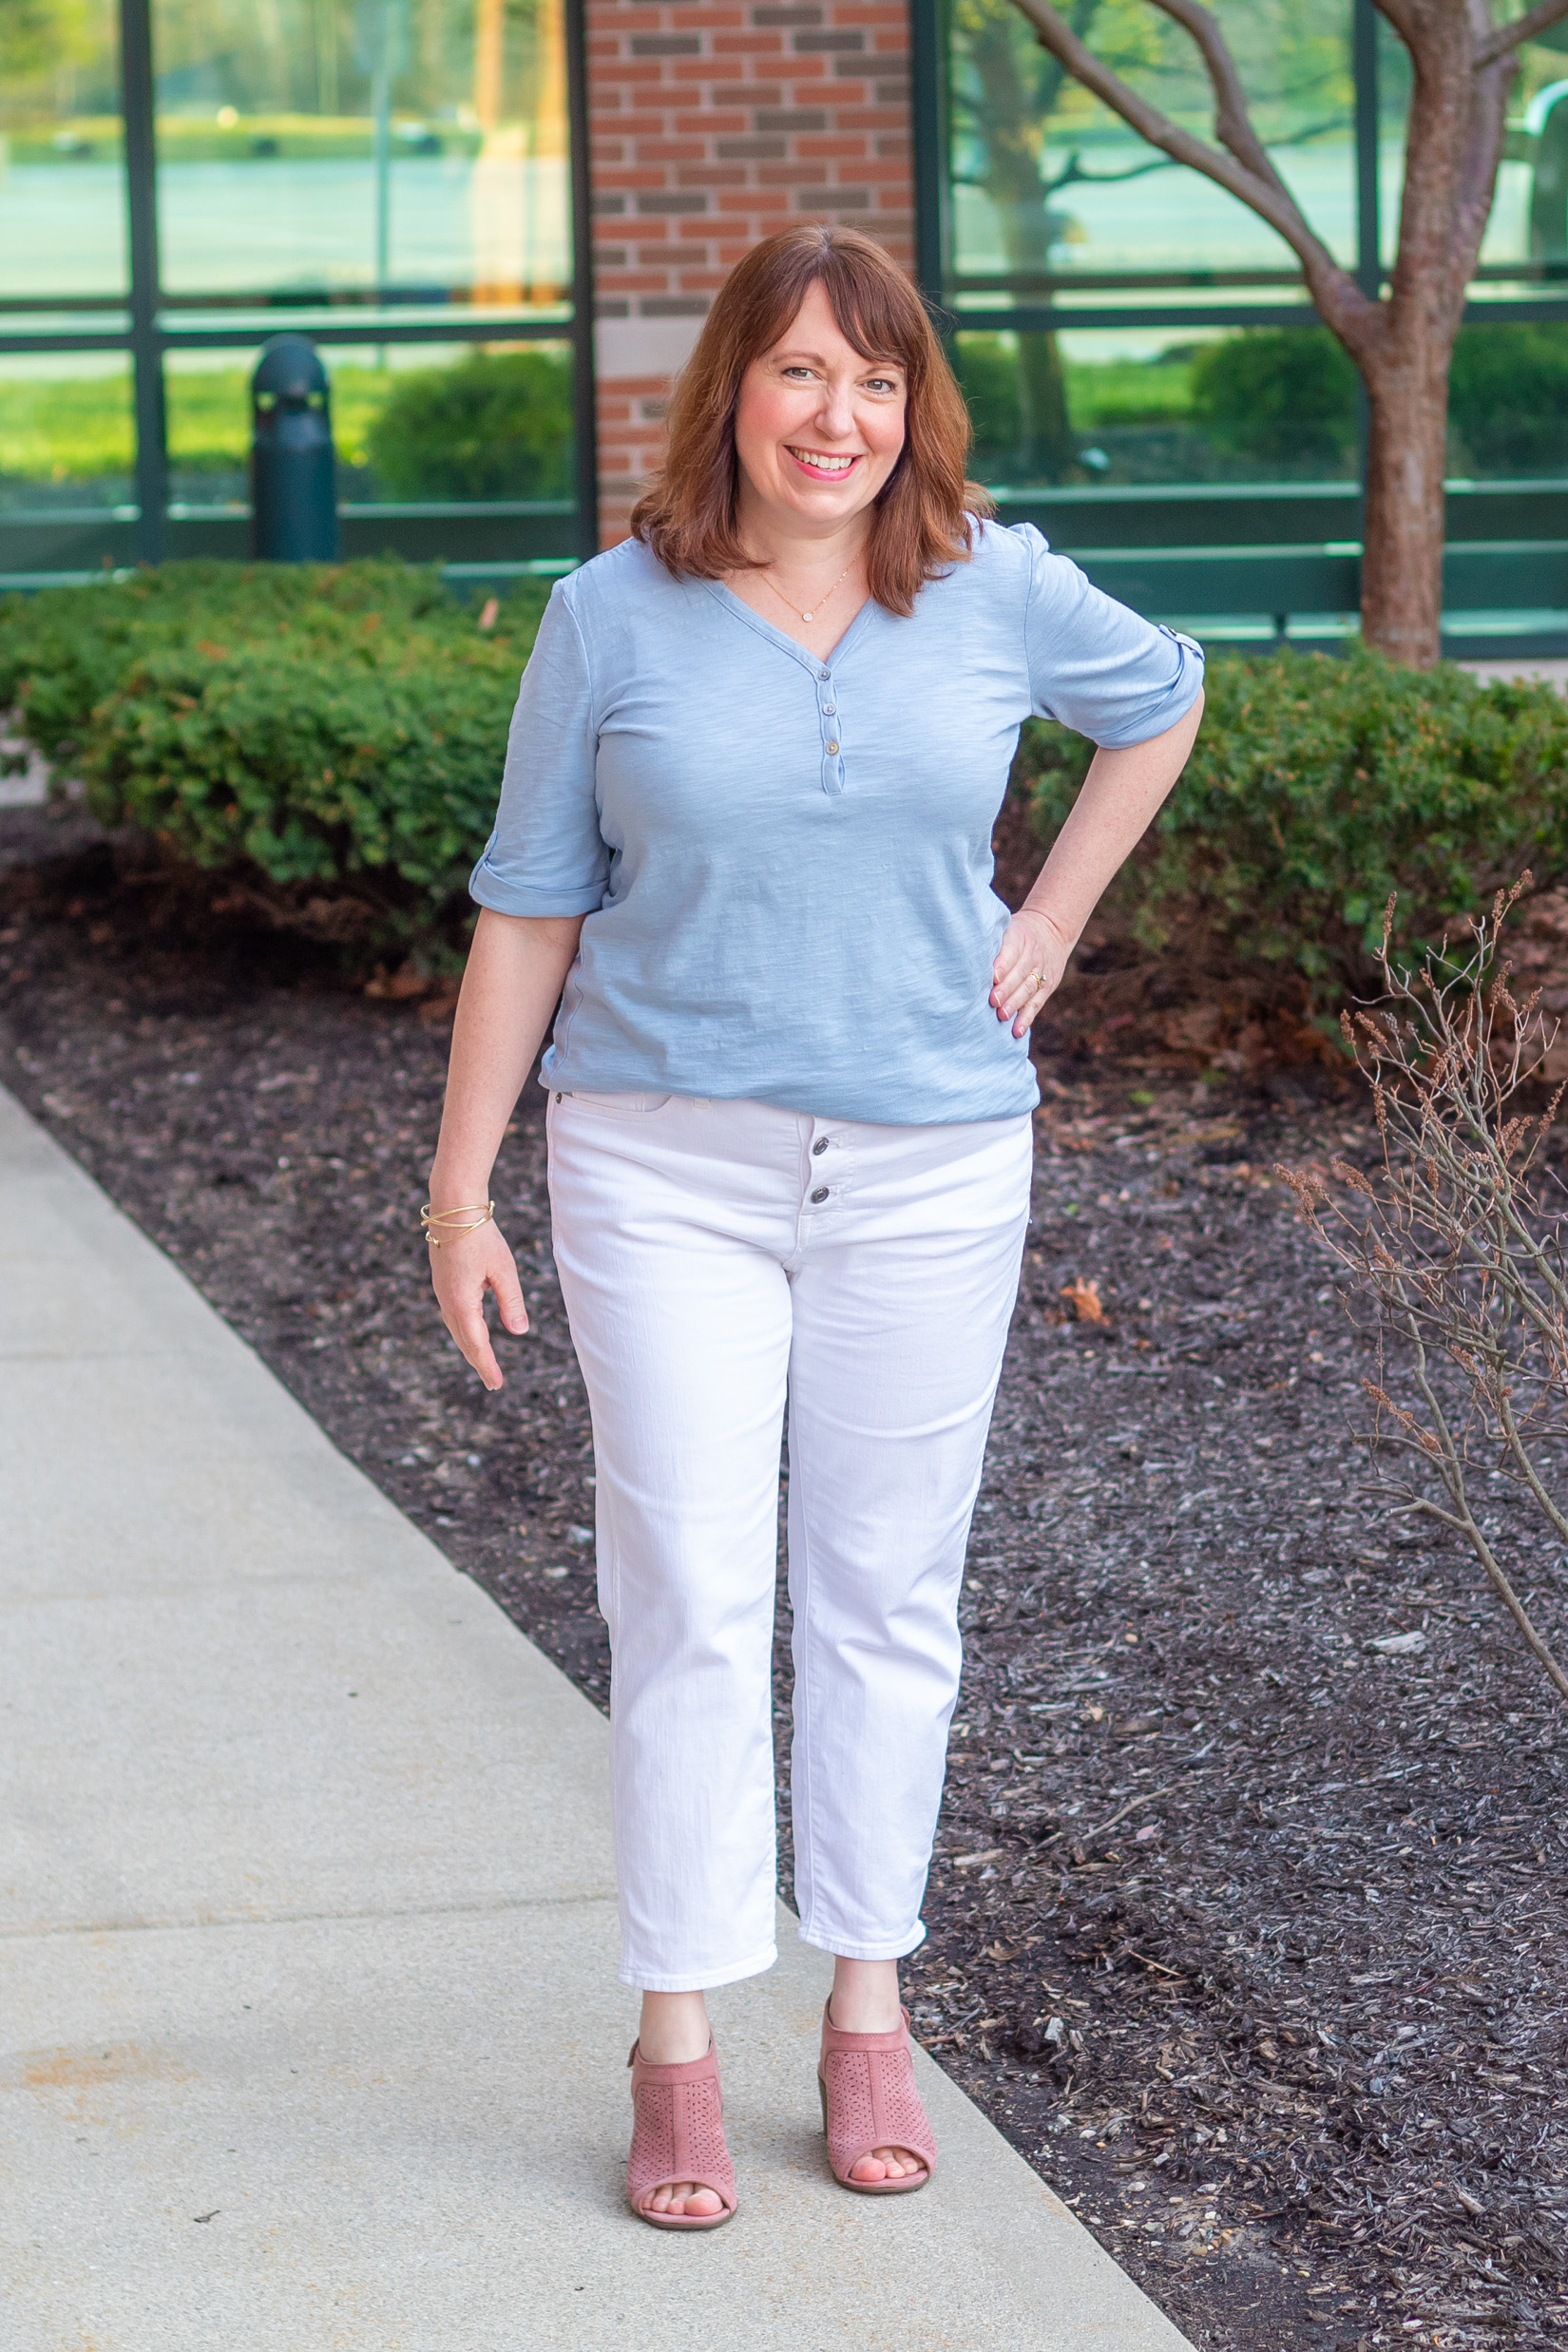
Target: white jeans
x,y
714,1255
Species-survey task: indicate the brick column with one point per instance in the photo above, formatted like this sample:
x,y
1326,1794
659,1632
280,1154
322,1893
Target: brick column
x,y
713,123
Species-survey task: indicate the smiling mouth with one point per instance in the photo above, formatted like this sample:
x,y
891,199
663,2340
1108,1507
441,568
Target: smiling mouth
x,y
817,461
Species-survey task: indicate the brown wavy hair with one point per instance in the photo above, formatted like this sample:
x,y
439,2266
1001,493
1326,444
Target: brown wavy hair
x,y
689,517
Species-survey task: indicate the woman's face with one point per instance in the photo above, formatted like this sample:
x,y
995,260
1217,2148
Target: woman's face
x,y
818,427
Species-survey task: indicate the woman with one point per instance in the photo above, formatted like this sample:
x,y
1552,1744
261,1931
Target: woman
x,y
745,825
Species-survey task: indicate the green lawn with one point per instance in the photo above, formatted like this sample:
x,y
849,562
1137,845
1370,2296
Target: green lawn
x,y
80,428
66,429
1128,392
209,414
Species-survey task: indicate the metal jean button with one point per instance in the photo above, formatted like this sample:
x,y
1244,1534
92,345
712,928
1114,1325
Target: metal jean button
x,y
819,1147
821,1193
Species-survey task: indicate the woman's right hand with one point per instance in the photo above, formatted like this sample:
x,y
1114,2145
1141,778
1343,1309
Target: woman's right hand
x,y
462,1269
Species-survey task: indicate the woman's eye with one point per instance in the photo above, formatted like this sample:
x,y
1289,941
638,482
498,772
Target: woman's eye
x,y
881,383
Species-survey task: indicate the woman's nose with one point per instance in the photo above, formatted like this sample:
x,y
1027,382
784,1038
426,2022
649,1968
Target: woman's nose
x,y
836,415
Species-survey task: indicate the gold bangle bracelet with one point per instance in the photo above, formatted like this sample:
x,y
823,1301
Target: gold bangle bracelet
x,y
478,1212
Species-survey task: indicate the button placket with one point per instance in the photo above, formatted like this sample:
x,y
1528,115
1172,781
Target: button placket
x,y
833,761
827,1180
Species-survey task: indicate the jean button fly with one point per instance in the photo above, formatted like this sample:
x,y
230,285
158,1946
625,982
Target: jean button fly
x,y
817,1148
821,1193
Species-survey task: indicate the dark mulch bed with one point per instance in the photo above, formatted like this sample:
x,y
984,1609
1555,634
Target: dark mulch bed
x,y
1251,1939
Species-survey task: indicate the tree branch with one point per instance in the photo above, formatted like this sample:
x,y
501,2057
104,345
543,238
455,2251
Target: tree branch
x,y
1245,172
1484,135
1232,123
1072,174
1507,37
1527,1468
1402,16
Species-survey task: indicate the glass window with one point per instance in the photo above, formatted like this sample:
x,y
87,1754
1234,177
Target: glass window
x,y
341,147
1052,192
1124,406
67,431
1055,204
484,423
62,175
66,443
415,422
1508,401
206,403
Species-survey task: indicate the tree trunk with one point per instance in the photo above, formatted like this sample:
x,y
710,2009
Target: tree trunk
x,y
1401,557
1453,145
1009,124
1046,449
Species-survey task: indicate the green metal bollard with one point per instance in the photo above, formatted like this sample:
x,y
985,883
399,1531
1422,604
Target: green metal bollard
x,y
294,489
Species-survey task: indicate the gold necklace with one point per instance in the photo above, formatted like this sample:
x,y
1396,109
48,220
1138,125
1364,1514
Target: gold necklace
x,y
821,599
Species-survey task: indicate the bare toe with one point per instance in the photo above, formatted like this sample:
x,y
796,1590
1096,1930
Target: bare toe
x,y
702,2205
869,2168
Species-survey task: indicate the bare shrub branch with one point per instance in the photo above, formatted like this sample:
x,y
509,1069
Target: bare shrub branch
x,y
1454,1246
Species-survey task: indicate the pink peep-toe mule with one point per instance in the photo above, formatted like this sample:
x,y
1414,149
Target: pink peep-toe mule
x,y
869,2100
677,2134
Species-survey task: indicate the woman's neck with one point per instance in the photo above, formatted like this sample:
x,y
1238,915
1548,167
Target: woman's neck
x,y
782,544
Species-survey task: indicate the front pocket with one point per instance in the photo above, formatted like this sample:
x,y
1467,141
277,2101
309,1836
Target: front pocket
x,y
617,1105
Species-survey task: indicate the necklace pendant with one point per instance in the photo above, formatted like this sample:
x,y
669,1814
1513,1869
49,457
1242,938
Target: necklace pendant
x,y
805,615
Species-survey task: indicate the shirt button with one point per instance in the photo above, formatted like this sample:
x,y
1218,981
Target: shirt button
x,y
832,747
829,710
817,1148
821,1193
825,673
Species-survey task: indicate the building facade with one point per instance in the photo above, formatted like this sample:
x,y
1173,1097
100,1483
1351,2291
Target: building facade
x,y
712,124
502,222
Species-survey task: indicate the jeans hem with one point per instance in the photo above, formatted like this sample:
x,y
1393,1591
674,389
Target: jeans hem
x,y
702,1981
843,1948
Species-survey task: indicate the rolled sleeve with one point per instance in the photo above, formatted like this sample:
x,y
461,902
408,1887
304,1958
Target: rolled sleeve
x,y
1096,665
547,855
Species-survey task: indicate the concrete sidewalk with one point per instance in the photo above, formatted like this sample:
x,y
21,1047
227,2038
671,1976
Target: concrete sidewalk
x,y
302,1838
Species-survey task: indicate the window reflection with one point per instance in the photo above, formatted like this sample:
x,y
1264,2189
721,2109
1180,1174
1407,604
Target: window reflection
x,y
61,179
67,431
403,147
417,424
1049,184
1055,204
1238,405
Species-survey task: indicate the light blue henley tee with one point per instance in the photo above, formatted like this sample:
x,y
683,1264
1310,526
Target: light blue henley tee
x,y
785,863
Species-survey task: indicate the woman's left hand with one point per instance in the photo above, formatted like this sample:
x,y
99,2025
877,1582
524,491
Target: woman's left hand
x,y
1028,967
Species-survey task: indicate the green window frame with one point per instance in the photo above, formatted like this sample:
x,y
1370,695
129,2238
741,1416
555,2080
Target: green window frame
x,y
145,325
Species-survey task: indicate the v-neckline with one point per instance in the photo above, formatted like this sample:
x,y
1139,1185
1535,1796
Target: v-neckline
x,y
819,664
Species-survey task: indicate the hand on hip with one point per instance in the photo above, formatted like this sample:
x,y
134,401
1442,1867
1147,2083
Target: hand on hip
x,y
1028,967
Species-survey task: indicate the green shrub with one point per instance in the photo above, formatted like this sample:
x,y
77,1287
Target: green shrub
x,y
1101,393
498,425
318,730
1279,394
1319,785
1508,398
987,368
